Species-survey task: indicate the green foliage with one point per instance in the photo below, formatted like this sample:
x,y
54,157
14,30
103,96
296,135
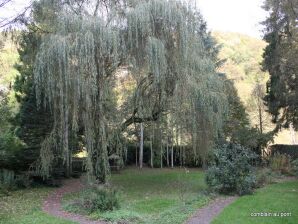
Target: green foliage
x,y
9,180
163,47
281,34
232,171
33,123
96,199
8,57
242,55
10,145
237,126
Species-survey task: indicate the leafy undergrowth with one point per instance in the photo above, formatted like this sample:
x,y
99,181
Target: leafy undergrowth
x,y
275,198
24,207
152,196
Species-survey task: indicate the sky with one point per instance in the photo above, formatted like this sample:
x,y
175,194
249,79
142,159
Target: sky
x,y
241,16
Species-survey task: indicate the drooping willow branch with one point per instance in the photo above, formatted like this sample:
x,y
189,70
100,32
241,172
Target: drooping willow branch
x,y
164,52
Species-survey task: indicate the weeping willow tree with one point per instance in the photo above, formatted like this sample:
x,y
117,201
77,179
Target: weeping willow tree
x,y
159,43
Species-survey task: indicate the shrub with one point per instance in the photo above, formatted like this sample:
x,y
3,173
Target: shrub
x,y
10,181
295,167
264,176
23,181
281,163
232,171
7,178
7,181
96,199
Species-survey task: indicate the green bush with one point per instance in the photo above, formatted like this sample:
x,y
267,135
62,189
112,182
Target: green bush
x,y
96,199
232,171
10,181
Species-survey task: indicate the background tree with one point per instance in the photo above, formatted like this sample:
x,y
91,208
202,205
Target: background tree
x,y
280,59
258,110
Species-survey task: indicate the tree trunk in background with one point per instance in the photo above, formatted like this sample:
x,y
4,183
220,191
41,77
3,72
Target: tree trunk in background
x,y
172,156
168,152
293,135
183,156
136,155
151,153
161,152
180,155
141,146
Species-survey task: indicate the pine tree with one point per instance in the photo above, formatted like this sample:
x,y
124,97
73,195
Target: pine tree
x,y
280,60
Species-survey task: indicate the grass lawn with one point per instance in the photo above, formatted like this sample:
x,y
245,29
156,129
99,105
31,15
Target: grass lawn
x,y
282,197
24,207
155,195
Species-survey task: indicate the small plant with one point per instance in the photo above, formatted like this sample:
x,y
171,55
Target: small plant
x,y
232,171
96,199
281,163
264,176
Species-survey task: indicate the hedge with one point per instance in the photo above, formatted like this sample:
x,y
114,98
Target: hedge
x,y
291,150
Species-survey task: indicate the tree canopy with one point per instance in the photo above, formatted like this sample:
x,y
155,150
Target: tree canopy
x,y
162,45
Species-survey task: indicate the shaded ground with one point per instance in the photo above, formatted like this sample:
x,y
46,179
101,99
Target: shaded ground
x,y
24,207
52,205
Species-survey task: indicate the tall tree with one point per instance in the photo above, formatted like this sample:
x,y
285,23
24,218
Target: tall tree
x,y
161,44
280,59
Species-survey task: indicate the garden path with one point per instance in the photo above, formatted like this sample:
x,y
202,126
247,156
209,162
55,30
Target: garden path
x,y
52,204
206,214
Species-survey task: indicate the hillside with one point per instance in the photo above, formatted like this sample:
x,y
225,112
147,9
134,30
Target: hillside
x,y
8,58
243,55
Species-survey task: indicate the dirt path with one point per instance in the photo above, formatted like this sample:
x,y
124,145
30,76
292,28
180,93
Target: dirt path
x,y
206,214
52,205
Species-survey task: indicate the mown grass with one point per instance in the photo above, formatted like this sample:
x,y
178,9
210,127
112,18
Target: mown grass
x,y
281,197
24,207
153,196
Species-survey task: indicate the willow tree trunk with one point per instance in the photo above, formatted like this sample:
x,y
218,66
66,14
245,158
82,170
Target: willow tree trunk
x,y
141,146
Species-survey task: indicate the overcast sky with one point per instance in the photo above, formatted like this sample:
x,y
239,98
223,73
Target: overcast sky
x,y
242,16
